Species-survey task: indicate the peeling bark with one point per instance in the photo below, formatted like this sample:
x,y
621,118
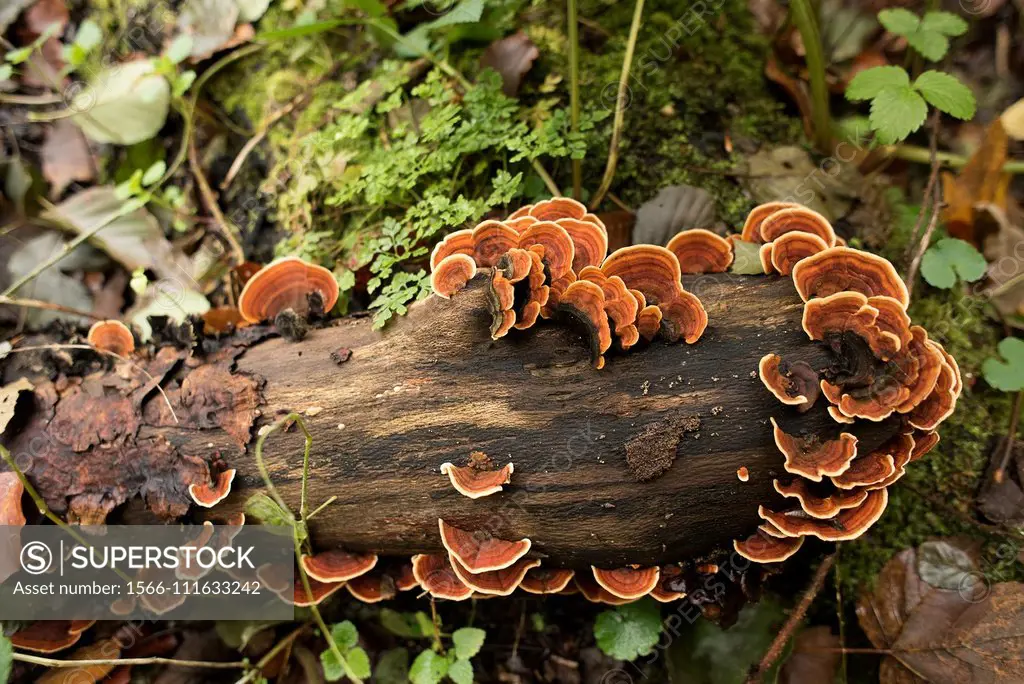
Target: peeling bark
x,y
433,388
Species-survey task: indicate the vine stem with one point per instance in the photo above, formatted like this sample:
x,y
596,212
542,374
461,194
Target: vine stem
x,y
929,188
803,14
620,107
574,93
794,620
304,578
55,662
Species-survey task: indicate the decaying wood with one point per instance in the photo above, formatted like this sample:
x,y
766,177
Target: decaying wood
x,y
386,410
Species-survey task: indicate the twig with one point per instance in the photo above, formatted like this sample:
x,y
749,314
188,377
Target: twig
x,y
794,620
1011,438
49,306
923,245
619,203
620,107
929,188
549,182
54,662
574,93
210,200
272,653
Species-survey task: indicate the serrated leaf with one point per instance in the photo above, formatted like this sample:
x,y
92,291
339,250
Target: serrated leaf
x,y
932,46
946,23
428,668
359,661
629,631
868,83
950,259
1006,375
461,672
468,641
123,105
899,21
896,113
946,93
333,671
345,635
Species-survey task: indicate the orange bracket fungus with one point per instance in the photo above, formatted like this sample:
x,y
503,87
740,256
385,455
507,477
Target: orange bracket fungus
x,y
372,587
451,274
480,551
842,269
814,457
207,495
594,592
338,565
112,336
701,251
495,582
751,231
288,283
627,583
795,384
477,480
761,547
435,575
546,580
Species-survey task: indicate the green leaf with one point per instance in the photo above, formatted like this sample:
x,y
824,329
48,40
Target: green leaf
x,y
468,641
154,173
466,12
896,113
252,10
266,511
946,23
89,35
123,105
333,670
183,82
870,82
932,46
392,667
461,672
179,49
6,71
345,635
6,658
900,21
1007,375
629,631
946,93
950,259
19,56
406,625
428,668
359,661
746,258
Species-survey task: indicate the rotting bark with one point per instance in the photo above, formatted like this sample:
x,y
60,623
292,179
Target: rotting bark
x,y
435,387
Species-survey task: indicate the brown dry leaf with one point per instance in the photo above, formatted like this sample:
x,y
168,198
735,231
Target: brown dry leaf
x,y
65,157
815,657
980,181
972,634
44,13
1001,497
675,208
1003,246
9,399
511,57
1013,120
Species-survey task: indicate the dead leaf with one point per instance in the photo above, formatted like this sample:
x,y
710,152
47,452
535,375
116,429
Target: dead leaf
x,y
1003,247
1001,499
43,14
53,284
674,208
980,181
511,57
946,636
1013,120
65,157
211,23
9,399
814,658
789,174
134,239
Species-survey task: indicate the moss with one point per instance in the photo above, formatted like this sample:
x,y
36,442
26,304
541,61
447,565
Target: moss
x,y
936,496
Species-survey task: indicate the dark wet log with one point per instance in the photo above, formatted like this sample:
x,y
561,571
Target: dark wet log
x,y
436,387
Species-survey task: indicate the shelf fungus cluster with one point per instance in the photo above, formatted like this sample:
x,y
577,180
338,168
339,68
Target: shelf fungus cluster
x,y
551,258
881,368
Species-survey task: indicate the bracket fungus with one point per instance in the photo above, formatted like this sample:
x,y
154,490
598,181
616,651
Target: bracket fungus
x,y
843,269
495,582
790,248
338,565
287,283
372,587
627,583
701,251
761,547
209,495
751,231
50,636
480,551
478,479
814,457
848,524
546,580
451,274
794,384
435,575
111,336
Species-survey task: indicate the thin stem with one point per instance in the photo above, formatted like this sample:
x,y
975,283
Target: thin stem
x,y
925,241
921,155
806,22
48,306
929,188
620,107
1011,438
574,93
272,653
210,200
794,620
54,662
321,507
549,182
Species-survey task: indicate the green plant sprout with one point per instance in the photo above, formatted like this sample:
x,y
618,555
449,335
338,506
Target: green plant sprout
x,y
1006,372
899,107
950,260
629,631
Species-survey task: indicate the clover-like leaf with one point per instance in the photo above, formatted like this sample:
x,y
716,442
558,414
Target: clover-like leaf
x,y
946,23
629,631
468,641
1006,373
461,672
899,21
870,82
946,93
428,668
896,112
345,635
950,259
359,661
